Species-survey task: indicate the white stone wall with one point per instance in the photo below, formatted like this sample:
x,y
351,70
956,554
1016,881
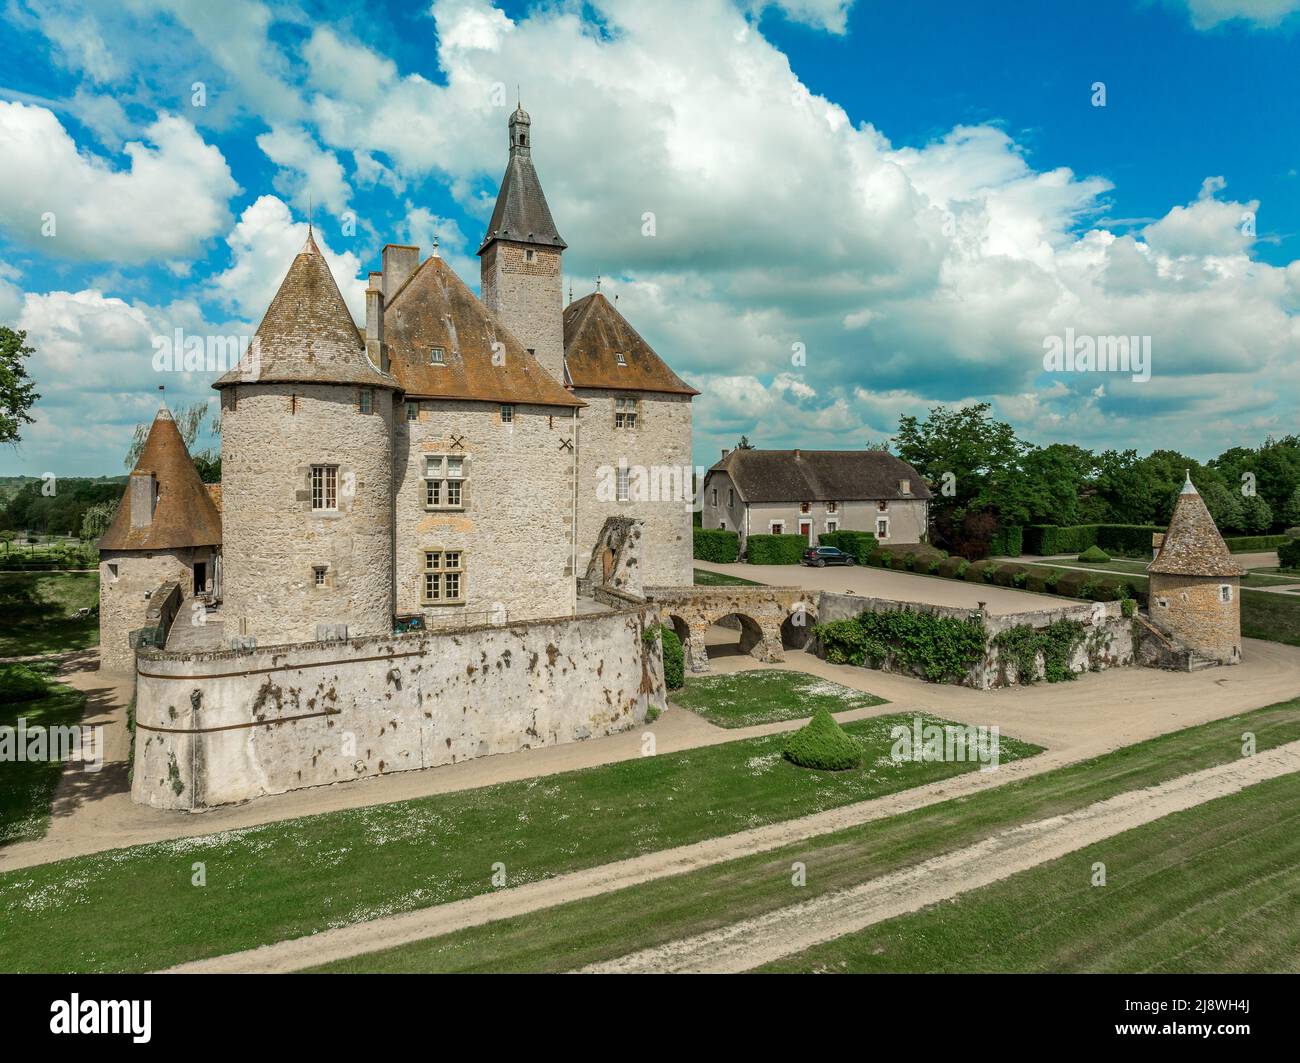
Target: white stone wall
x,y
662,441
526,297
214,728
273,538
122,601
908,518
515,530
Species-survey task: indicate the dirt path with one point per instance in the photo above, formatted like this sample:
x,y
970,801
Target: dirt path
x,y
769,937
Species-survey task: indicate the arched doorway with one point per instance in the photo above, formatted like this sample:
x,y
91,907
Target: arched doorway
x,y
796,629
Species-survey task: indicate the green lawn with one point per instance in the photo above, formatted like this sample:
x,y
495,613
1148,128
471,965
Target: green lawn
x,y
36,612
26,787
1213,889
1255,577
282,880
705,578
767,695
650,914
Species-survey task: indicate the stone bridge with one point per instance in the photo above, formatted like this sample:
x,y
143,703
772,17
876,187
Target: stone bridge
x,y
769,619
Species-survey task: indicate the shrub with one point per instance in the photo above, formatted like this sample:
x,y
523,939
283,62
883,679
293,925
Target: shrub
x,y
1127,539
20,683
717,545
674,659
878,558
1128,606
951,567
1020,646
823,745
775,549
980,571
1036,580
1008,541
1094,553
1005,574
932,566
1071,584
1288,555
857,544
942,649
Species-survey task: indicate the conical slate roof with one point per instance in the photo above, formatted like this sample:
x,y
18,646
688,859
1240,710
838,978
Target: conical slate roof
x,y
184,515
1193,546
308,335
595,334
434,308
521,213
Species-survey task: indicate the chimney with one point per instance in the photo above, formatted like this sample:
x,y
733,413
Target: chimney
x,y
376,350
399,262
143,498
725,452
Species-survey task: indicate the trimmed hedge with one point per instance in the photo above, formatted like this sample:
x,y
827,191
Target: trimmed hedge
x,y
980,571
1288,554
775,549
858,544
823,745
1045,539
1094,553
1008,542
952,567
718,545
1240,544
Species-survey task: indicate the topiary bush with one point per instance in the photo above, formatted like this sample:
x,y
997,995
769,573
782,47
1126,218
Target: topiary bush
x,y
1006,573
823,745
718,545
775,549
1288,555
1094,553
1071,584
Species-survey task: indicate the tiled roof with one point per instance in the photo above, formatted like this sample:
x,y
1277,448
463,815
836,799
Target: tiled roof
x,y
184,515
521,213
434,308
595,334
308,334
820,475
1193,545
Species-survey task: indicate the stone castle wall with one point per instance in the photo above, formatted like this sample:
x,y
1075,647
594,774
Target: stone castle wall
x,y
515,530
215,728
1191,609
122,603
527,298
273,538
660,441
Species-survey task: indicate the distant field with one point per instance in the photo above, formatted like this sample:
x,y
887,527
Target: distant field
x,y
36,612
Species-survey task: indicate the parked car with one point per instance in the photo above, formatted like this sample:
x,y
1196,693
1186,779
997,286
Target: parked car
x,y
820,556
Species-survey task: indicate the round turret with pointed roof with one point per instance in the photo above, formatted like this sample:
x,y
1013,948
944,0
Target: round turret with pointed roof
x,y
308,335
1193,546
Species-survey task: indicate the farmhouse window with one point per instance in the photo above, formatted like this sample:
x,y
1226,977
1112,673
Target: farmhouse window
x,y
324,487
318,575
777,527
805,507
618,357
882,528
832,507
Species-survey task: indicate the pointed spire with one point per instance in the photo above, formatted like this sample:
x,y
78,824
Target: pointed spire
x,y
521,214
1189,488
1192,545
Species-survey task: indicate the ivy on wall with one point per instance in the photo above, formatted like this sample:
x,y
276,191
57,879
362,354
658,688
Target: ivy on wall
x,y
1019,647
942,649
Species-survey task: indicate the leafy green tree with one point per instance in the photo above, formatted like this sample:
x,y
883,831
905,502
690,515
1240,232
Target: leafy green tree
x,y
1291,509
96,519
963,447
1224,505
17,392
1257,515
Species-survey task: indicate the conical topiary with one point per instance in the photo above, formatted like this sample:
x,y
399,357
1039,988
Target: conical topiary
x,y
822,744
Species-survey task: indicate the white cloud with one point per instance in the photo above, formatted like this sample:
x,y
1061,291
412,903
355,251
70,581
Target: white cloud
x,y
308,173
171,199
1206,14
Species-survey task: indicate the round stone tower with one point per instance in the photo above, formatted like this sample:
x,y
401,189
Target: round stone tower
x,y
1194,586
307,470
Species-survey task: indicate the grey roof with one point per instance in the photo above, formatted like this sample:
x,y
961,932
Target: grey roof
x,y
595,334
1193,546
820,475
521,213
307,335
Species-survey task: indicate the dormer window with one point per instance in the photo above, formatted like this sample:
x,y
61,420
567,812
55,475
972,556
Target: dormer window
x,y
618,357
437,356
904,487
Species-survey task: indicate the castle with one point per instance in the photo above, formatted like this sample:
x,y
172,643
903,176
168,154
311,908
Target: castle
x,y
452,464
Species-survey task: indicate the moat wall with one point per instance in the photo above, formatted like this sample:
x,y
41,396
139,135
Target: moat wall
x,y
216,728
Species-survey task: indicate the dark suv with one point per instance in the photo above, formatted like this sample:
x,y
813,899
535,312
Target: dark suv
x,y
821,556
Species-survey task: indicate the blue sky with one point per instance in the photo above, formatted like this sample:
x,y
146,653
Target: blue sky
x,y
860,209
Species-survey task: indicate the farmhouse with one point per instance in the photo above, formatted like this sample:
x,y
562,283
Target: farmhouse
x,y
809,492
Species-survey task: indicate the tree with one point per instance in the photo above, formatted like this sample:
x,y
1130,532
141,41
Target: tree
x,y
189,420
97,518
1257,515
1224,505
7,537
17,392
744,444
1291,509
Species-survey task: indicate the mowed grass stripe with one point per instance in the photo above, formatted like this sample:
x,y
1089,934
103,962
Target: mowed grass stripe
x,y
283,880
1214,888
654,913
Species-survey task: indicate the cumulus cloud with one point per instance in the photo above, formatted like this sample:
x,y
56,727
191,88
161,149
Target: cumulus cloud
x,y
308,173
172,197
1206,14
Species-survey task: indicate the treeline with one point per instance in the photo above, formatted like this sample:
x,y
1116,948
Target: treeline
x,y
62,512
986,479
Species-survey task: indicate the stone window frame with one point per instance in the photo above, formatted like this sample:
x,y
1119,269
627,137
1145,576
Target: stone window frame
x,y
439,574
627,413
805,507
832,525
320,577
438,489
366,401
904,487
879,522
715,496
327,488
622,484
112,571
731,497
1225,593
832,507
412,407
773,525
508,413
437,356
530,255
